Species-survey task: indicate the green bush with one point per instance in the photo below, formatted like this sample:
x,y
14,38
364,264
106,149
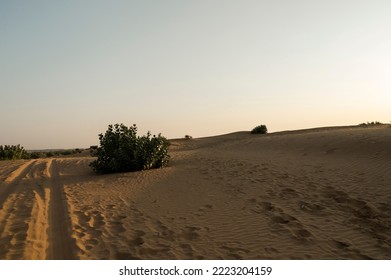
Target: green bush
x,y
121,150
370,123
35,155
10,152
50,154
260,129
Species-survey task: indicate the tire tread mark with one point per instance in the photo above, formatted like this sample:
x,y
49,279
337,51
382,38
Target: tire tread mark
x,y
61,245
11,183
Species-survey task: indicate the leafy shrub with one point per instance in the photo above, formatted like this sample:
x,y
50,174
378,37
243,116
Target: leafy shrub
x,y
370,123
10,152
121,150
49,154
35,155
260,129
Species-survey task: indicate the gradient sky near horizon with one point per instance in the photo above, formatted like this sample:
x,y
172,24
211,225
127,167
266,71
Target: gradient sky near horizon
x,y
70,68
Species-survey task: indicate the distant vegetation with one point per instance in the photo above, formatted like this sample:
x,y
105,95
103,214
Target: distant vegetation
x,y
370,123
12,152
93,150
121,150
188,137
43,154
260,129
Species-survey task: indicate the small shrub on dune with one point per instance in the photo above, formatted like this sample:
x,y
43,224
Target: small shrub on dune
x,y
370,123
121,150
188,137
260,129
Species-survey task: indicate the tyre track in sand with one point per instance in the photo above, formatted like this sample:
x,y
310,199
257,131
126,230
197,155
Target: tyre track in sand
x,y
34,221
11,183
61,245
16,200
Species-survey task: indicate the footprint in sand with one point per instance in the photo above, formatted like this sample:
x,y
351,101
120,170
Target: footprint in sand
x,y
187,248
92,241
115,224
203,210
340,244
260,207
301,233
267,206
312,208
271,250
138,239
116,227
279,220
235,250
283,218
288,193
190,233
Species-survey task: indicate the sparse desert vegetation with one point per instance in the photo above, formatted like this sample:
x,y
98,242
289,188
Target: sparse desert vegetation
x,y
121,150
370,123
11,152
260,129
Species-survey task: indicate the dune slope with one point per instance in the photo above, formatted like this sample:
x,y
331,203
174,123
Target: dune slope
x,y
312,194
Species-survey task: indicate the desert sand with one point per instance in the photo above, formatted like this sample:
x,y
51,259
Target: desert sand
x,y
310,194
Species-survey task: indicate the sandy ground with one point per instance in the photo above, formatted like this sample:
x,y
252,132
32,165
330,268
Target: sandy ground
x,y
311,194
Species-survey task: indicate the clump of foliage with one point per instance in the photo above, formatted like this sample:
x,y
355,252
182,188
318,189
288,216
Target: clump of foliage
x,y
35,155
11,152
50,154
370,123
188,137
121,150
260,129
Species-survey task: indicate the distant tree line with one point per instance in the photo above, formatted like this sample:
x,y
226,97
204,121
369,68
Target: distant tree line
x,y
370,123
13,152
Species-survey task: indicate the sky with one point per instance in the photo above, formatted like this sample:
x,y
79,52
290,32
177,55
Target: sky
x,y
68,69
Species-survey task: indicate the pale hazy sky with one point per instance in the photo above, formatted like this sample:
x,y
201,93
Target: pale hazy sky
x,y
70,68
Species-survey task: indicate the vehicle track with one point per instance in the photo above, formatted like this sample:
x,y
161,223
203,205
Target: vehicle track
x,y
11,182
61,245
34,220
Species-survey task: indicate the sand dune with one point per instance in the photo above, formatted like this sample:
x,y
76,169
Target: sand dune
x,y
311,194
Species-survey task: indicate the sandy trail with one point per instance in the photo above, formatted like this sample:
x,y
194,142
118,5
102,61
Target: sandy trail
x,y
313,194
61,245
34,222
